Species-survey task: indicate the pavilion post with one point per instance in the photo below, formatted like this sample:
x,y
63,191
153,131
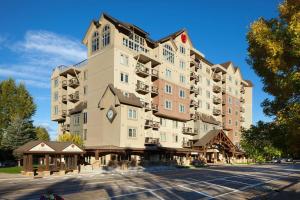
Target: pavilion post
x,y
47,162
97,155
29,166
25,162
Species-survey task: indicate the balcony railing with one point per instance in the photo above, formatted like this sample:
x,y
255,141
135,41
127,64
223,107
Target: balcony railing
x,y
146,106
73,82
194,103
242,100
197,79
223,79
188,131
64,113
154,107
223,90
242,119
155,125
74,97
242,109
148,123
141,70
223,101
64,98
242,90
216,112
192,75
154,90
217,77
193,116
216,100
142,87
65,127
194,89
187,144
151,141
64,84
223,113
216,88
154,74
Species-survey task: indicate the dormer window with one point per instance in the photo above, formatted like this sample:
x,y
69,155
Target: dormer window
x,y
105,36
95,41
168,53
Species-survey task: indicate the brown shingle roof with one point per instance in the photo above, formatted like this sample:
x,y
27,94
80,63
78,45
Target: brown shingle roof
x,y
226,64
56,146
207,138
250,84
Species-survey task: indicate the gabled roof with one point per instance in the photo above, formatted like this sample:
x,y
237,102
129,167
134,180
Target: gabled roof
x,y
130,98
226,64
171,36
78,108
58,147
250,84
206,138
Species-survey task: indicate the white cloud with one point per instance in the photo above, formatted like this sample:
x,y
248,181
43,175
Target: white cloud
x,y
38,53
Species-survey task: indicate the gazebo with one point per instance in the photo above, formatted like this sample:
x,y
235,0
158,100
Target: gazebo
x,y
47,157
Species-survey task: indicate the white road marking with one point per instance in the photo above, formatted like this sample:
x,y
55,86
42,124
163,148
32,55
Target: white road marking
x,y
202,193
236,181
221,186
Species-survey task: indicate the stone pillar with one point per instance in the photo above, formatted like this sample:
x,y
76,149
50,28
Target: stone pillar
x,y
29,171
24,168
97,155
61,169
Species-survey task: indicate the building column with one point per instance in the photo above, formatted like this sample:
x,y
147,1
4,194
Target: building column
x,y
97,155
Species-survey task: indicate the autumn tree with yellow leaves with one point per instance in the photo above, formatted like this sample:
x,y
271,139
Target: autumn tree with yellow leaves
x,y
274,54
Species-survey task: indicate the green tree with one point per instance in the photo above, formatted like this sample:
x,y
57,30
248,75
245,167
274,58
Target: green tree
x,y
274,54
19,132
15,102
68,137
42,133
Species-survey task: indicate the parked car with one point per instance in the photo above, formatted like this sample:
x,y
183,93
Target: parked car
x,y
289,160
276,160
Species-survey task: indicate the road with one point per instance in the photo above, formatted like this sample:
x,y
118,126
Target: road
x,y
215,182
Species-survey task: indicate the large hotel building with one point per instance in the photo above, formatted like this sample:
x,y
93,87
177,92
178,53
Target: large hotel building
x,y
133,94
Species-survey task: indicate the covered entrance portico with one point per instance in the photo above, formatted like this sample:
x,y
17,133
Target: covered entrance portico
x,y
45,158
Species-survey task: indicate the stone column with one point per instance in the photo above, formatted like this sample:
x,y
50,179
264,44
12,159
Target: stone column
x,y
47,170
97,155
24,170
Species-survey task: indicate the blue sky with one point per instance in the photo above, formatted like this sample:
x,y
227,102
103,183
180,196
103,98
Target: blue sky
x,y
36,36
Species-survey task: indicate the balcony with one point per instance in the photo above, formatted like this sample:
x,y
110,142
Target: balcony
x,y
242,90
242,109
141,70
154,74
154,90
197,79
74,97
194,103
188,131
154,107
242,119
216,89
223,113
193,116
223,101
151,141
142,87
216,100
242,100
192,75
64,98
148,123
155,125
187,144
146,105
65,127
223,79
195,62
64,84
74,82
193,89
216,112
217,77
223,90
64,113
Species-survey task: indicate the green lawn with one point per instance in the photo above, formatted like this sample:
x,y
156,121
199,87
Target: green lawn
x,y
10,170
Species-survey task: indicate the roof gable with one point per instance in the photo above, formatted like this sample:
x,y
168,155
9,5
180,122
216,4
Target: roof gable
x,y
42,147
72,148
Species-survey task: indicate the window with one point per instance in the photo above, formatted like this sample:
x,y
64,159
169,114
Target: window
x,y
181,108
168,73
85,74
132,113
207,70
182,78
95,41
230,90
200,79
175,138
205,127
236,92
182,49
124,59
132,132
207,106
182,64
105,36
135,42
76,120
85,89
235,134
230,78
168,53
229,100
124,77
56,82
229,110
163,122
181,93
229,121
207,94
200,103
236,123
163,137
168,89
55,110
84,134
207,82
168,105
85,117
236,82
236,113
175,124
55,96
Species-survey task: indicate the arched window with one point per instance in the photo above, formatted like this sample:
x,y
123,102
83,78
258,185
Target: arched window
x,y
105,36
95,41
168,53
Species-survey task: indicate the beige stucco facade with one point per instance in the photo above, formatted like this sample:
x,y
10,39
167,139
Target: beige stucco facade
x,y
176,86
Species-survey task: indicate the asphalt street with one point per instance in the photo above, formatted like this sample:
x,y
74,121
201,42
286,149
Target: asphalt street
x,y
215,182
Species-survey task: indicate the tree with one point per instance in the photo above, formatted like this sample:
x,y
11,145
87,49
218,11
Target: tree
x,y
15,102
19,132
274,54
42,133
68,137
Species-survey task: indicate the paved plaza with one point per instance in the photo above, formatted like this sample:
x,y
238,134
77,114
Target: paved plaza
x,y
215,182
